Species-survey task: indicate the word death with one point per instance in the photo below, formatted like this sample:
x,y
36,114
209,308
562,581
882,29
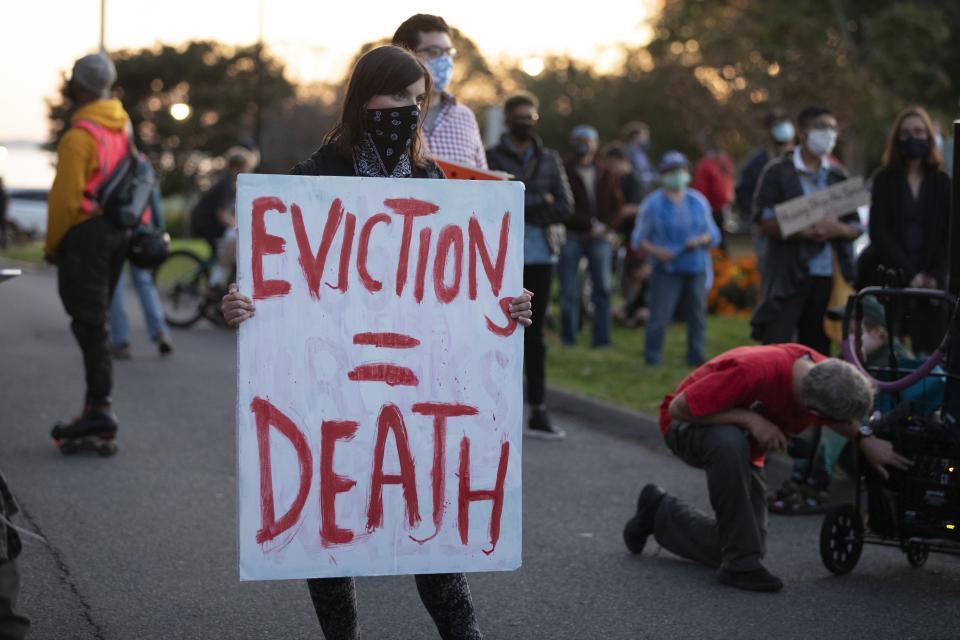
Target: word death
x,y
454,246
389,424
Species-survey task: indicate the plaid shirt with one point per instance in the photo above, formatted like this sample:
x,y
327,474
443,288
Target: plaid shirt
x,y
455,136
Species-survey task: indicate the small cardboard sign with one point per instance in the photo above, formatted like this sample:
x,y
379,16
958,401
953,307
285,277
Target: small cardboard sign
x,y
837,200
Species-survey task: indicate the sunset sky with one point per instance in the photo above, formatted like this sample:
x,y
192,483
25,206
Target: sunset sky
x,y
316,39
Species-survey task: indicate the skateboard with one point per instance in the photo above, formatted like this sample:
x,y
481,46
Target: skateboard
x,y
93,433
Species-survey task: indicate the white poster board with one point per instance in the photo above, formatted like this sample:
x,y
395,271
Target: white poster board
x,y
379,381
837,200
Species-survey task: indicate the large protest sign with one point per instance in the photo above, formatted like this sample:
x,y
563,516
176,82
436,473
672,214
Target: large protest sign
x,y
799,213
379,382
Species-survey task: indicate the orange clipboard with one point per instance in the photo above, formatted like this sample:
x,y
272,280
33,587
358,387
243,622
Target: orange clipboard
x,y
457,171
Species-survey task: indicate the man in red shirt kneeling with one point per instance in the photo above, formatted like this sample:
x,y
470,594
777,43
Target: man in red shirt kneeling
x,y
722,418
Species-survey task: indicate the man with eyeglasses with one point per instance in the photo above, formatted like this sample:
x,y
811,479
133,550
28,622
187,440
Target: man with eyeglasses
x,y
723,418
798,270
450,129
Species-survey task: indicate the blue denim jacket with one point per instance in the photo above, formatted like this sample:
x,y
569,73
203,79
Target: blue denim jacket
x,y
669,225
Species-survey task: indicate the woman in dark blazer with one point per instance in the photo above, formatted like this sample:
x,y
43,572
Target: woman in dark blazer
x,y
909,213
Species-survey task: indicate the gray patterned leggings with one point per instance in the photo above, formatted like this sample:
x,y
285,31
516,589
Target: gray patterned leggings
x,y
445,595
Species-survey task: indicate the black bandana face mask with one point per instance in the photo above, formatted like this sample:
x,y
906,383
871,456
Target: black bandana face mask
x,y
391,131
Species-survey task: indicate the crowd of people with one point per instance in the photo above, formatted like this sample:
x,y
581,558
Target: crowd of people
x,y
584,206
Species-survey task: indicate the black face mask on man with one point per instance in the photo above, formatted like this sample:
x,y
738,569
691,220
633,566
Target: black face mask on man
x,y
521,129
581,149
391,131
913,148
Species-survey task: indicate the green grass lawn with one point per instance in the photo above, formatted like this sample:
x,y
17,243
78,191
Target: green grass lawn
x,y
33,251
26,252
618,374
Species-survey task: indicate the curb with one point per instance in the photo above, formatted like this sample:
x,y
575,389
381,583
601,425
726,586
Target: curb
x,y
607,417
628,424
25,265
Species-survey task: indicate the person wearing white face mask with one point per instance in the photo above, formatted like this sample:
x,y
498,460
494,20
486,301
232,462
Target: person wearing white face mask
x,y
449,129
799,269
781,135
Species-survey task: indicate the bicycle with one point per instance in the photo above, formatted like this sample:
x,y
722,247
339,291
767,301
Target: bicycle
x,y
185,293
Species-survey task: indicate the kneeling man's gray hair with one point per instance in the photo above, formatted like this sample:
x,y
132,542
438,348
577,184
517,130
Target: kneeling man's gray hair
x,y
837,390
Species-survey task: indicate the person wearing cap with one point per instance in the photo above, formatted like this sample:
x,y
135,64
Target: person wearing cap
x,y
676,229
589,233
723,418
89,250
799,269
780,136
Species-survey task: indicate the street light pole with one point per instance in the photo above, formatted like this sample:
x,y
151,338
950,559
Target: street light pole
x,y
103,13
258,126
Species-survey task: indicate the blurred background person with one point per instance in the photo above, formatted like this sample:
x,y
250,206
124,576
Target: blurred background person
x,y
909,219
799,269
589,235
449,128
88,249
213,218
636,141
547,204
149,301
676,229
621,191
780,134
713,176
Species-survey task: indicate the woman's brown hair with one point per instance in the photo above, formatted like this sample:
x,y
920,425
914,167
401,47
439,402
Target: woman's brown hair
x,y
382,71
892,156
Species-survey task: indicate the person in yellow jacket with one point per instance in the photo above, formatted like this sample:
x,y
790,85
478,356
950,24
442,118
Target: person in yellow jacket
x,y
88,249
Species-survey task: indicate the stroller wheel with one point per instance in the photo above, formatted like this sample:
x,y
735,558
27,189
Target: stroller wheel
x,y
917,554
841,539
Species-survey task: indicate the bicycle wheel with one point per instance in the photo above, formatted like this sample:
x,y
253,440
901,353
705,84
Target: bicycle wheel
x,y
182,284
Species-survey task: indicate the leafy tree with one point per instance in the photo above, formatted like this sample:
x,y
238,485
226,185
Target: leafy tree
x,y
715,67
864,59
219,83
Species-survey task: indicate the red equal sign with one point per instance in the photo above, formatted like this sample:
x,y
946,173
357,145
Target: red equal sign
x,y
388,340
390,374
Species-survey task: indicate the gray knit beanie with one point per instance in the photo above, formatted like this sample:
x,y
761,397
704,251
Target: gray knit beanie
x,y
95,73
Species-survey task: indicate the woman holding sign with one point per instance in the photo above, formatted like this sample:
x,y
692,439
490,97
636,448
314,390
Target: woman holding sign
x,y
379,134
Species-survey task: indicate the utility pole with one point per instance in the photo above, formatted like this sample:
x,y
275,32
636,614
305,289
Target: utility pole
x,y
103,14
258,125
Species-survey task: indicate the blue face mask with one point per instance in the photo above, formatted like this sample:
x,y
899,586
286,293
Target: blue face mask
x,y
783,132
441,70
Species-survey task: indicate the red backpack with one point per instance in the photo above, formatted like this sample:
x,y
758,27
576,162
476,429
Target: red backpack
x,y
124,180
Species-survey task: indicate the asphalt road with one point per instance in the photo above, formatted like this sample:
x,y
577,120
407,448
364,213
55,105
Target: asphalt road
x,y
143,545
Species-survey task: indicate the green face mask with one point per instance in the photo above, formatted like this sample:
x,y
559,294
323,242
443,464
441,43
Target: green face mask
x,y
675,180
